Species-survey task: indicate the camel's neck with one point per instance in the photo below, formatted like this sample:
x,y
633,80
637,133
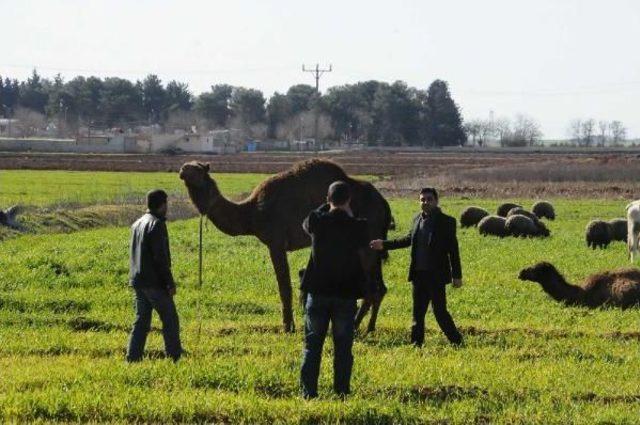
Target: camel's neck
x,y
229,217
560,290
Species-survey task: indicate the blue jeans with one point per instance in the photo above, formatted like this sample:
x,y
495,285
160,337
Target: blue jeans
x,y
319,311
147,300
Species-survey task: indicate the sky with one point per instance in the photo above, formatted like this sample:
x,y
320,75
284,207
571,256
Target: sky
x,y
554,60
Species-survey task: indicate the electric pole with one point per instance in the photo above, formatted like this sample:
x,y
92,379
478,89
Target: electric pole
x,y
317,73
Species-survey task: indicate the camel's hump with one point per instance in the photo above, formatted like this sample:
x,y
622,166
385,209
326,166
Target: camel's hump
x,y
310,168
314,165
310,175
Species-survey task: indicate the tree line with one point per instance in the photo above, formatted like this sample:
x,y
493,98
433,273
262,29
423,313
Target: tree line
x,y
371,111
522,131
588,132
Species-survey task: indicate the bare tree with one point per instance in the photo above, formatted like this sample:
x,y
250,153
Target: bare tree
x,y
588,127
183,120
365,120
502,128
526,129
480,130
29,122
301,127
604,126
472,127
258,131
487,130
575,130
618,131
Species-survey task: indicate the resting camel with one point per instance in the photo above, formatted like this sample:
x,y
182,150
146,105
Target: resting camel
x,y
274,213
616,288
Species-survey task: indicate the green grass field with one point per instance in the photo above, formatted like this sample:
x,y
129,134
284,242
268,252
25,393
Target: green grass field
x,y
65,311
51,188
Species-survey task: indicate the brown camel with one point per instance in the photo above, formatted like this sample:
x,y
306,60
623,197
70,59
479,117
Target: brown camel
x,y
274,213
616,288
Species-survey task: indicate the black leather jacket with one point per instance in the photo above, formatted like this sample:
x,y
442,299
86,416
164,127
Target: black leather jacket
x,y
150,264
334,268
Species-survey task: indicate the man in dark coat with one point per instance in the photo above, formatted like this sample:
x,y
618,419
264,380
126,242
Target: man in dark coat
x,y
435,262
334,279
151,278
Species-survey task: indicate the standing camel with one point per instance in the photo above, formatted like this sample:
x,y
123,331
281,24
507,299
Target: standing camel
x,y
274,213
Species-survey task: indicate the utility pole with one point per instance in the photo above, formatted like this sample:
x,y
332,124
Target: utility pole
x,y
317,72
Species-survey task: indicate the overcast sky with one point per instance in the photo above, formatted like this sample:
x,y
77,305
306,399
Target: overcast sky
x,y
555,60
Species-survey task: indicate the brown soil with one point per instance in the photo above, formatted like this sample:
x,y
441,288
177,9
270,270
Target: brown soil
x,y
495,174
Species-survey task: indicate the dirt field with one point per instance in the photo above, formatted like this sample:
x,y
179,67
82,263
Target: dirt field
x,y
464,173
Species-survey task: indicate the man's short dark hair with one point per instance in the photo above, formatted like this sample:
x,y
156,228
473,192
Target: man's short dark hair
x,y
156,198
339,193
431,190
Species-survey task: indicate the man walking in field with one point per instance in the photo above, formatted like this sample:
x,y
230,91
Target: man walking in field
x,y
435,261
151,278
334,279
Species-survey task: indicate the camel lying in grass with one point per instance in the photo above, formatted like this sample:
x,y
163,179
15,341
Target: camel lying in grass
x,y
615,288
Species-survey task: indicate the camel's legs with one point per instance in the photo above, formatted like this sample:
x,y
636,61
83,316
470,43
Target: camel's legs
x,y
281,267
362,311
373,267
374,306
374,314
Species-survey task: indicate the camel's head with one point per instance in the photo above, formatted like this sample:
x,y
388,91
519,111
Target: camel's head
x,y
194,173
540,272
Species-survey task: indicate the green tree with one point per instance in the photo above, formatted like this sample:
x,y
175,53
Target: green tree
x,y
55,95
34,94
396,114
278,112
248,105
62,103
214,105
178,96
120,101
10,95
444,119
82,99
343,103
301,98
153,99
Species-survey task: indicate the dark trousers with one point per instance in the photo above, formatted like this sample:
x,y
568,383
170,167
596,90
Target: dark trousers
x,y
426,288
147,300
319,311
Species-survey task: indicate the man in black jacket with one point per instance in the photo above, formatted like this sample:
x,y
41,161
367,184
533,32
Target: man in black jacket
x,y
334,279
435,262
151,278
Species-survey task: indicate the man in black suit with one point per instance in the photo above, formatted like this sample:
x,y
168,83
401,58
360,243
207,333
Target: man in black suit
x,y
435,262
334,279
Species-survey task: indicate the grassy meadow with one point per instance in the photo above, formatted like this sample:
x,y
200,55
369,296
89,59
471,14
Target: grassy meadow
x,y
65,312
59,188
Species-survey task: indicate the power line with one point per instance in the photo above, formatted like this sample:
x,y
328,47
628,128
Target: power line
x,y
142,71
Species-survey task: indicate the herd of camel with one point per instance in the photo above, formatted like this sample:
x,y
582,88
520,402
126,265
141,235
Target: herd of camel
x,y
275,209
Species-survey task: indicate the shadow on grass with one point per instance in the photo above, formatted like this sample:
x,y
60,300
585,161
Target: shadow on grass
x,y
83,324
396,337
53,306
592,397
438,394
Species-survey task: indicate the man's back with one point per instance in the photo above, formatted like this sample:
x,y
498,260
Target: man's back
x,y
150,261
334,267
